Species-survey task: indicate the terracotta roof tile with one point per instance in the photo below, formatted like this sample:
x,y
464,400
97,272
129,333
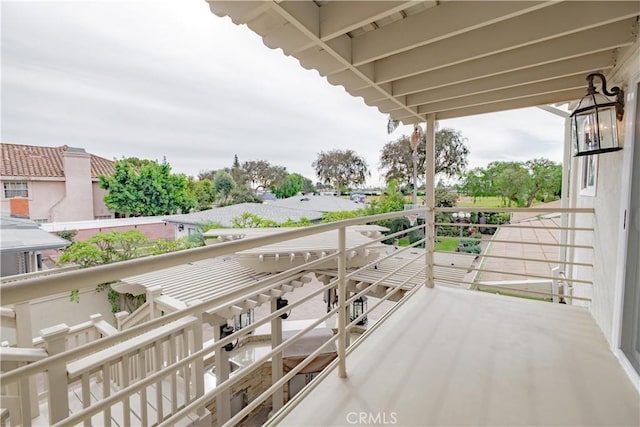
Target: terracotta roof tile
x,y
43,162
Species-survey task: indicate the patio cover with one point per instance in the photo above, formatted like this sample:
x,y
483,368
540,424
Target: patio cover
x,y
23,235
447,58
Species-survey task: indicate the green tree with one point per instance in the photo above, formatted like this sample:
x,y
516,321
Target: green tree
x,y
203,192
261,174
476,184
546,180
511,181
307,186
242,194
105,248
237,173
292,185
515,182
223,185
341,168
114,246
451,154
140,187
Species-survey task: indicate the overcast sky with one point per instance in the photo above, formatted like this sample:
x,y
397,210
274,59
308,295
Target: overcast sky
x,y
156,79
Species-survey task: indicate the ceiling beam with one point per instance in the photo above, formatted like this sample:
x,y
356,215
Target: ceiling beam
x,y
548,98
340,17
524,91
445,20
364,72
581,66
559,20
607,38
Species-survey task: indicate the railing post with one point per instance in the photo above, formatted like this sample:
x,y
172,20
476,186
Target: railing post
x,y
223,400
54,338
197,374
153,293
94,333
277,370
554,284
342,301
429,215
120,316
24,339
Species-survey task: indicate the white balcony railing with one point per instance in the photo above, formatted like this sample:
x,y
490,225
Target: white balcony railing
x,y
153,373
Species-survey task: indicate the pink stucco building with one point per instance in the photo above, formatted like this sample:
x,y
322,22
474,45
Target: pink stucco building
x,y
59,183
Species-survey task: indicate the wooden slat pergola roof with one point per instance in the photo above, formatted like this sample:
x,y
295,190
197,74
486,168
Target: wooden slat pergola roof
x,y
448,58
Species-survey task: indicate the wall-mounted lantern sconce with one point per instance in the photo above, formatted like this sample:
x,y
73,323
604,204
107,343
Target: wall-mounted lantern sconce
x,y
594,122
282,303
225,331
181,227
359,306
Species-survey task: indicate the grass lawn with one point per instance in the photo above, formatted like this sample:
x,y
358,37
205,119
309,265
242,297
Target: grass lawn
x,y
447,245
484,202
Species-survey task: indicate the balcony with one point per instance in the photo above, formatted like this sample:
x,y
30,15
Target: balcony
x,y
441,354
454,357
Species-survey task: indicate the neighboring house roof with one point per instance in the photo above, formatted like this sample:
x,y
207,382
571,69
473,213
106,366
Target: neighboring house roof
x,y
225,214
44,162
22,235
318,203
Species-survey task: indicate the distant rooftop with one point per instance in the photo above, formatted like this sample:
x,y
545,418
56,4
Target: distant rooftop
x,y
23,235
226,214
318,203
44,162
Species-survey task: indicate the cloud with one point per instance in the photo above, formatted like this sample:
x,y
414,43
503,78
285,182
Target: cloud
x,y
158,79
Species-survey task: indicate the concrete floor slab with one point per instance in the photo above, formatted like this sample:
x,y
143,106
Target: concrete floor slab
x,y
451,357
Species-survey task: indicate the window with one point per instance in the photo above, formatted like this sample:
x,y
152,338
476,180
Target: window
x,y
589,175
15,189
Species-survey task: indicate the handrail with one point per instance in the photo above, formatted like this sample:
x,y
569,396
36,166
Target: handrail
x,y
510,210
33,274
25,290
96,352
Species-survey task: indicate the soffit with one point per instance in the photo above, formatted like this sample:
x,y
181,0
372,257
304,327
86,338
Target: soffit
x,y
449,58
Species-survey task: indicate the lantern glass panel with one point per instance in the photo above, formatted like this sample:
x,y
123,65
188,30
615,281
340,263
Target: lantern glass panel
x,y
607,124
595,126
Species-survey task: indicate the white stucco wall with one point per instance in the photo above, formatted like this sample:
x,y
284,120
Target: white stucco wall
x,y
99,208
78,202
43,194
607,223
58,309
609,201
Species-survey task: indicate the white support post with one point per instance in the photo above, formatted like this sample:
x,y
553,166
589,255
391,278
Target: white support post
x,y
342,298
120,316
429,215
197,373
33,267
94,333
554,284
223,400
153,293
565,202
277,370
24,339
54,338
